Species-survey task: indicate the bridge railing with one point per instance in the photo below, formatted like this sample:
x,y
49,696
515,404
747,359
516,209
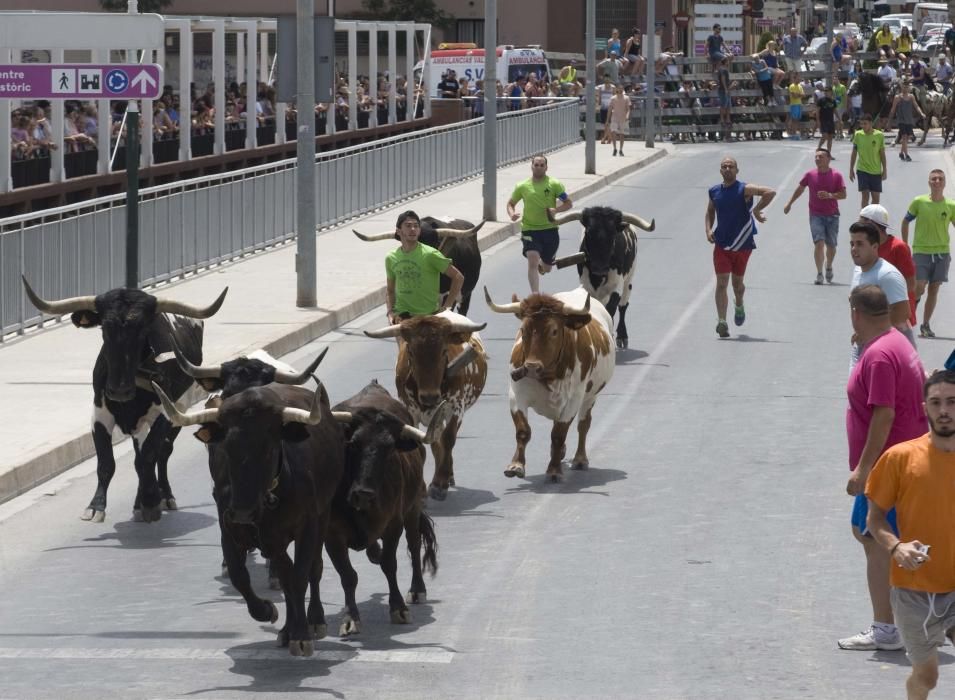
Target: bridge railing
x,y
193,224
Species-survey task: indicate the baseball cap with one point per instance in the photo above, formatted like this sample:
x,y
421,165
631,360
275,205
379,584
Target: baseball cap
x,y
875,213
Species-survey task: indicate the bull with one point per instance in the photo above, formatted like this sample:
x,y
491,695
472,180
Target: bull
x,y
562,358
440,358
381,496
608,257
138,329
457,240
284,457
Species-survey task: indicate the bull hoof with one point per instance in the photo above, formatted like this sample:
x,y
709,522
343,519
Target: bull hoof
x,y
169,504
349,627
401,617
416,597
149,515
301,647
514,470
319,631
582,465
451,481
437,493
93,515
555,477
224,573
137,515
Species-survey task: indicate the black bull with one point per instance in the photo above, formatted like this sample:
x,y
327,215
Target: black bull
x,y
457,240
137,329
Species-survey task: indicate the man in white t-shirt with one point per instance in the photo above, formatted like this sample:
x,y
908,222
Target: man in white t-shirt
x,y
886,73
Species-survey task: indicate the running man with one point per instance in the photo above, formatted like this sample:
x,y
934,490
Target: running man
x,y
868,147
731,207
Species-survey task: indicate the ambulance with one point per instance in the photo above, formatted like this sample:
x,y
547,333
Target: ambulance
x,y
467,61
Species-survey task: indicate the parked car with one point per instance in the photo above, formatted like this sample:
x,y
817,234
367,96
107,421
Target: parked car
x,y
816,53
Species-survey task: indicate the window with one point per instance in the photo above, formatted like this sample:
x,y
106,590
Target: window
x,y
471,30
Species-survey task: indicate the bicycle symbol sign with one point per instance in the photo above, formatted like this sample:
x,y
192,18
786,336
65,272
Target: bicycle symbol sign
x,y
117,81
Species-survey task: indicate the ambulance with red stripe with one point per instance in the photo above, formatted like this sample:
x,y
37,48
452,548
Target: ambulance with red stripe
x,y
467,61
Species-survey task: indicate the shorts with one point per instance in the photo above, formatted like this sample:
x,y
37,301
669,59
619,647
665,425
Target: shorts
x,y
795,111
922,619
602,117
727,262
860,511
824,228
827,128
725,102
869,182
931,267
632,58
544,242
905,130
619,128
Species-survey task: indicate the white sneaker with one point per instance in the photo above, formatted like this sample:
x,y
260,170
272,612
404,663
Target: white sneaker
x,y
871,640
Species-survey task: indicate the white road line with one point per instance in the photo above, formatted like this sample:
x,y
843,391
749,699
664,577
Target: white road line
x,y
430,656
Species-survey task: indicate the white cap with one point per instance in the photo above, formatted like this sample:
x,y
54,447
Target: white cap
x,y
875,213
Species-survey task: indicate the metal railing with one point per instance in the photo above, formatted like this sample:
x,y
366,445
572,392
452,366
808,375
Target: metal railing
x,y
189,225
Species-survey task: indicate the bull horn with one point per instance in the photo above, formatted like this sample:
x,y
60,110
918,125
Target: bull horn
x,y
300,415
438,421
567,218
194,371
458,233
61,306
511,308
284,377
575,259
370,237
182,309
639,222
342,416
386,332
571,311
461,361
467,326
178,418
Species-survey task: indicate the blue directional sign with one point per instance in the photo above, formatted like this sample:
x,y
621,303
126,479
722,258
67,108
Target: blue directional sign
x,y
117,81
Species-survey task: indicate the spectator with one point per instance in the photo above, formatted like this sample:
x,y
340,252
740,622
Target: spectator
x,y
764,77
74,134
839,50
771,57
532,91
604,95
618,120
20,137
918,71
567,78
943,73
613,43
162,124
172,109
632,53
794,44
885,42
42,131
723,83
478,101
886,73
448,88
516,92
610,66
795,106
714,47
904,43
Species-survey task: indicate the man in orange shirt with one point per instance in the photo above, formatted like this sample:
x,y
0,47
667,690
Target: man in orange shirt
x,y
916,478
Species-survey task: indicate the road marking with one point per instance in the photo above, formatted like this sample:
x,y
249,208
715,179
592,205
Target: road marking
x,y
430,656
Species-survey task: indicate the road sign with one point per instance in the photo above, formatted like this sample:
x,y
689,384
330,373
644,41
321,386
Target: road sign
x,y
80,30
81,81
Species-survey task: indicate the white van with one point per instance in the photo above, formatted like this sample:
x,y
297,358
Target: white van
x,y
928,12
467,61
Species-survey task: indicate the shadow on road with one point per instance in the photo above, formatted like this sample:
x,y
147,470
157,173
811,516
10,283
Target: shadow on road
x,y
574,482
628,355
462,501
899,659
133,535
743,338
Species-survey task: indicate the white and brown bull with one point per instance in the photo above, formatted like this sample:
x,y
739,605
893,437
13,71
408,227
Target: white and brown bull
x,y
608,258
440,358
562,358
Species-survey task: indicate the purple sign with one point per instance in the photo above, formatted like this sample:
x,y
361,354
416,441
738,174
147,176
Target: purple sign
x,y
80,81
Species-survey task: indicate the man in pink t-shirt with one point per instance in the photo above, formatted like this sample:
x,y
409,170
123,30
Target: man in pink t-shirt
x,y
885,408
826,188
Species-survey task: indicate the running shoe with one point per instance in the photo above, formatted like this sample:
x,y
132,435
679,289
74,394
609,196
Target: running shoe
x,y
722,329
908,158
872,640
926,331
818,278
829,275
740,315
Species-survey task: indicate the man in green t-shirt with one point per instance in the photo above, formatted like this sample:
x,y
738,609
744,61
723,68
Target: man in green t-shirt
x,y
868,147
414,274
933,214
541,194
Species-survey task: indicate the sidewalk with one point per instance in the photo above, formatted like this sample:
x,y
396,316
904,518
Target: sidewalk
x,y
47,396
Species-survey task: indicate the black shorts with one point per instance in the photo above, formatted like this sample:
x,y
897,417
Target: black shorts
x,y
544,242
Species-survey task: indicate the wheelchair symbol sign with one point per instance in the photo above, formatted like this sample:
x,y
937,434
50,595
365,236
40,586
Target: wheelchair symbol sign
x,y
117,81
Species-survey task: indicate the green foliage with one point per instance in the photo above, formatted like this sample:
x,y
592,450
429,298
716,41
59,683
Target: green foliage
x,y
425,11
144,5
871,47
764,39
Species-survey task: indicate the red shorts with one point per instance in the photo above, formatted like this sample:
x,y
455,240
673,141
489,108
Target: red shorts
x,y
730,261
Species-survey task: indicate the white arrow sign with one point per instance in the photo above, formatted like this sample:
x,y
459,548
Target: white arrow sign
x,y
144,80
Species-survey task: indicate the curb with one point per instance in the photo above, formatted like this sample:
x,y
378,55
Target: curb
x,y
30,474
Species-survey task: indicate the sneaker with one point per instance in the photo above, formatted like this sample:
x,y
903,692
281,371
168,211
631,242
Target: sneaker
x,y
818,278
722,329
615,151
870,640
740,315
829,275
926,331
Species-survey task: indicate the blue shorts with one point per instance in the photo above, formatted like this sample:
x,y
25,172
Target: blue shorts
x,y
824,228
860,511
795,111
544,242
869,182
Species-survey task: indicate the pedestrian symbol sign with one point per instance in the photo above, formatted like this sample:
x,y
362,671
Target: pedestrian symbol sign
x,y
33,81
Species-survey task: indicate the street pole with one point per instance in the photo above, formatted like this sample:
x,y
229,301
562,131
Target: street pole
x,y
830,17
490,110
132,194
305,156
650,50
590,128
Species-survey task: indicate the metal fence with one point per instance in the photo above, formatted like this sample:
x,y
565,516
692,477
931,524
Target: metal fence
x,y
193,224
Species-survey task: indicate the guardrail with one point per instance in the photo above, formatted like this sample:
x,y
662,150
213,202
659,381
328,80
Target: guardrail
x,y
193,224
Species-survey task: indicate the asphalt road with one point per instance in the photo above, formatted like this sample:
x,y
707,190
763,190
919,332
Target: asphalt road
x,y
706,553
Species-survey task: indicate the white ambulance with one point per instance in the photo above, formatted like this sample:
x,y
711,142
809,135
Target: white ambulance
x,y
467,61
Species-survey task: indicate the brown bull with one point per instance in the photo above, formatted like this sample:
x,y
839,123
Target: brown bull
x,y
440,358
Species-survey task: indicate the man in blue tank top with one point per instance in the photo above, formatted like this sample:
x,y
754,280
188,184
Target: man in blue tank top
x,y
731,207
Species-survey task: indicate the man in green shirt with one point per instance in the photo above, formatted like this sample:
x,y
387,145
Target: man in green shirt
x,y
933,214
539,235
868,146
414,272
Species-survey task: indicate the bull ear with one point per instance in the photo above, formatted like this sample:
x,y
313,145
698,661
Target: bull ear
x,y
210,433
577,321
404,444
294,432
85,319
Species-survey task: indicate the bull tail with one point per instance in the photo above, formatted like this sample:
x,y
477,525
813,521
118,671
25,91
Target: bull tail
x,y
430,559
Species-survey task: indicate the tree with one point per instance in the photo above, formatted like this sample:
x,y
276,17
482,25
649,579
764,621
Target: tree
x,y
144,5
424,11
